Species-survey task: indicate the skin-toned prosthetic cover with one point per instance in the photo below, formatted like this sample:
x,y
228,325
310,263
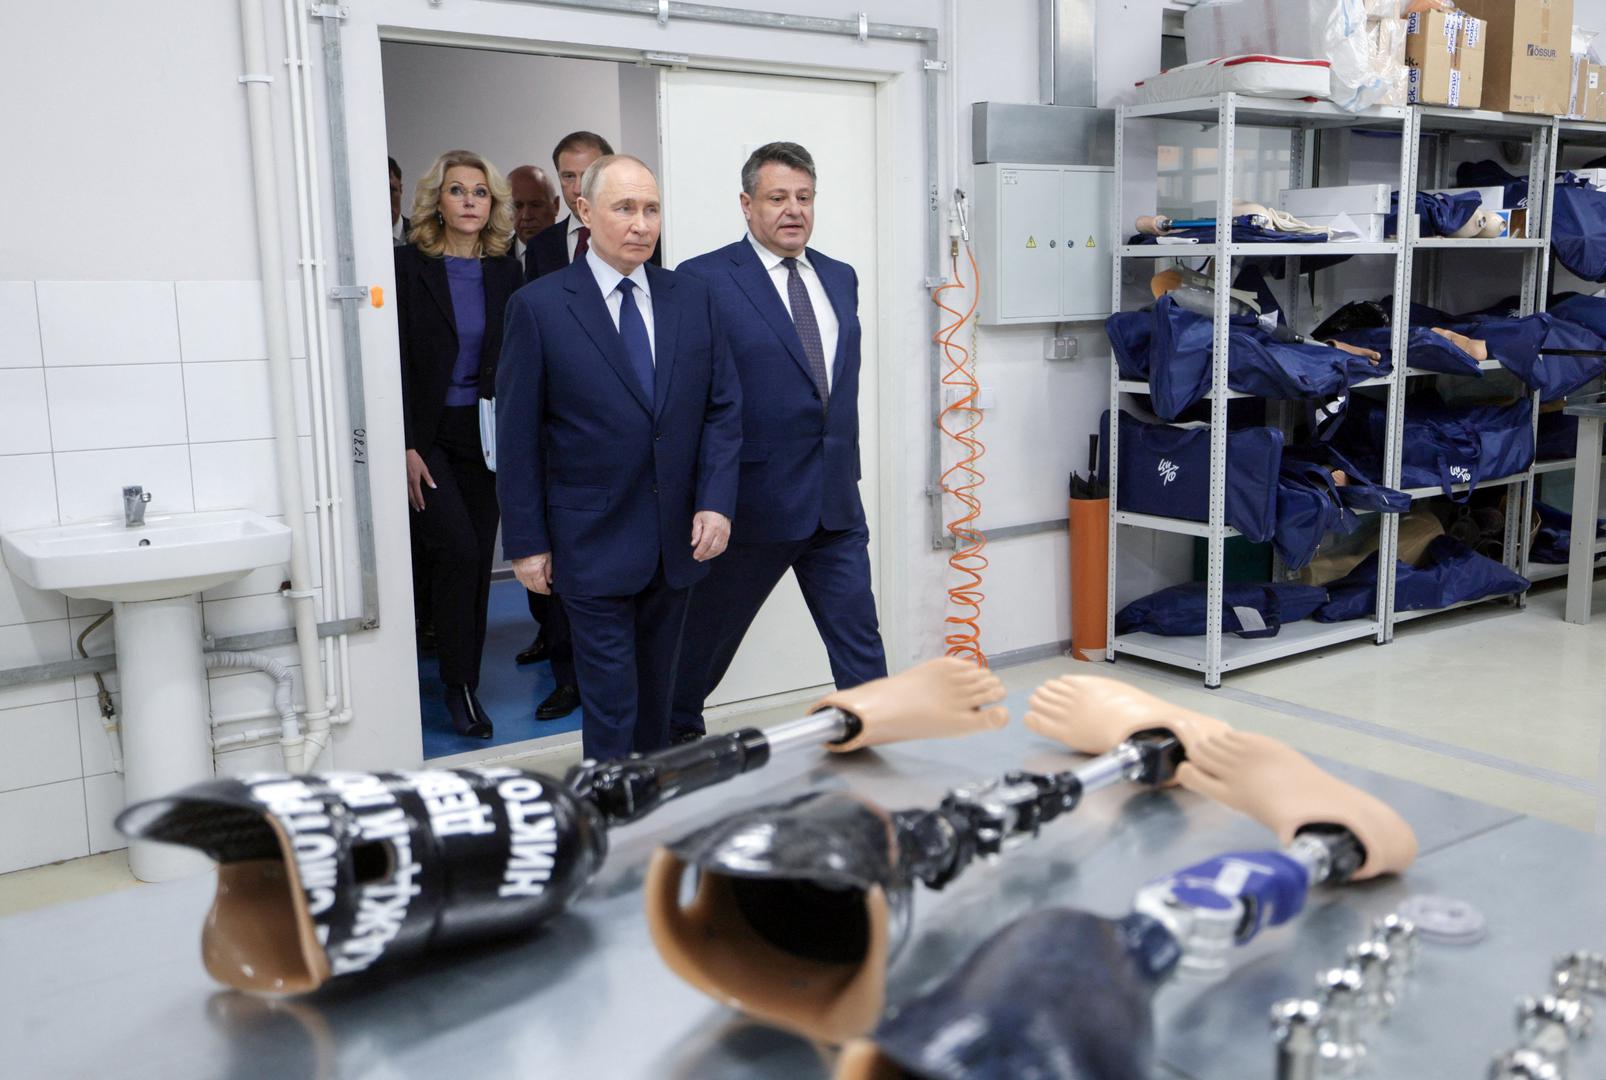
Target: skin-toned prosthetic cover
x,y
335,874
1094,714
798,911
1286,791
938,699
1056,995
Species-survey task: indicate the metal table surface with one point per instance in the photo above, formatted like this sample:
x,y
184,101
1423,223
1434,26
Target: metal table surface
x,y
114,985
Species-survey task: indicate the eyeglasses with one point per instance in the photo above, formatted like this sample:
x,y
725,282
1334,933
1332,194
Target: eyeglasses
x,y
459,192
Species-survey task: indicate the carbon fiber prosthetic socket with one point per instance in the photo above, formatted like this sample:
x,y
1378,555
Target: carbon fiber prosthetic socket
x,y
332,875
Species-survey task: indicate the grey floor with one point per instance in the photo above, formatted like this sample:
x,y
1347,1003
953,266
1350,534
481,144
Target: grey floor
x,y
1493,703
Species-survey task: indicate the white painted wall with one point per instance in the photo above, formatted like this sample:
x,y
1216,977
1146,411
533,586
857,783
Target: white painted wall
x,y
511,107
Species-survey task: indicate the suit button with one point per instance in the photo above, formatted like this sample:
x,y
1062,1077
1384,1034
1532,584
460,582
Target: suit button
x,y
655,489
657,435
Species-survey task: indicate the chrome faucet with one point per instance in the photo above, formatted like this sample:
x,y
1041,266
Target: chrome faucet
x,y
134,499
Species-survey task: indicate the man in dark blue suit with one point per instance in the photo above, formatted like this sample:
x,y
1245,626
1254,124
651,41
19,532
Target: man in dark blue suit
x,y
618,437
791,315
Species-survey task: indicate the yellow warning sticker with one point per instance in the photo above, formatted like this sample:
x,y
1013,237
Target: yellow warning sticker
x,y
1031,242
1091,242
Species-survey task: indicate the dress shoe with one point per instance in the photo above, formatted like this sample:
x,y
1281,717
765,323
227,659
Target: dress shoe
x,y
685,737
537,652
558,704
468,716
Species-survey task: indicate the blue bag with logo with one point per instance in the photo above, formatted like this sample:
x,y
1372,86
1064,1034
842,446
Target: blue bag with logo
x,y
1452,573
1248,610
1166,471
1309,506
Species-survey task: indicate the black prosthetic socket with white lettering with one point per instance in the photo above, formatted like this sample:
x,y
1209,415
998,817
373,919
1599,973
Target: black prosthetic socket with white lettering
x,y
800,871
392,865
1057,994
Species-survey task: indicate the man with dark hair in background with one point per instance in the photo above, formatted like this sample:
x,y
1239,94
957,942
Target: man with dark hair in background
x,y
791,314
398,224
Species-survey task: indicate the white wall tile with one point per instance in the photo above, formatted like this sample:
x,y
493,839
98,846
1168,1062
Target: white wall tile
x,y
19,325
42,825
222,320
27,644
107,322
232,400
20,602
246,615
77,606
13,697
103,800
29,485
89,483
103,407
94,745
24,421
39,745
230,475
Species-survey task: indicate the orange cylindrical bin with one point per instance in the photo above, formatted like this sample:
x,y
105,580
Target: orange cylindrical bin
x,y
1090,576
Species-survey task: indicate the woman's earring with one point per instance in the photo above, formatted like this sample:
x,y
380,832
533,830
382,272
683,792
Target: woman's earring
x,y
438,219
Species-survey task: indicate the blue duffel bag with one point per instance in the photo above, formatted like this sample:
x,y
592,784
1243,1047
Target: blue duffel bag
x,y
1426,350
1172,349
1443,446
1166,471
1586,311
1248,610
1453,573
1309,506
1553,543
1578,221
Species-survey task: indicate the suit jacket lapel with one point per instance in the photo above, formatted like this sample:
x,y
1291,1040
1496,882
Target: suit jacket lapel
x,y
665,331
836,291
749,273
585,301
435,283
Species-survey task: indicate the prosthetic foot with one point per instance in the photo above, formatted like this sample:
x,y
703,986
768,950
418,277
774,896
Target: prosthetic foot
x,y
1057,993
1473,347
1355,350
937,699
1094,714
1285,791
801,907
331,875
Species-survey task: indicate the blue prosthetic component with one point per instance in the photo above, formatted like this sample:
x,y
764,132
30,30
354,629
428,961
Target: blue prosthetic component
x,y
1269,886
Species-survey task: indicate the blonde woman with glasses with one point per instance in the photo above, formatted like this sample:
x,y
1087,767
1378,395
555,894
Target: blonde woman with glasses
x,y
453,280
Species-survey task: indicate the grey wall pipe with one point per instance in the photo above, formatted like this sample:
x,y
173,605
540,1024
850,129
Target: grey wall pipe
x,y
1067,71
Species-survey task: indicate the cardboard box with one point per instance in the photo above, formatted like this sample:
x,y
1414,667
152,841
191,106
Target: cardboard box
x,y
1595,178
1444,51
1516,223
1353,199
1588,100
1528,57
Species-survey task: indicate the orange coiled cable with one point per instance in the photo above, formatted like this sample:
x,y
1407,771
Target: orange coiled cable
x,y
959,420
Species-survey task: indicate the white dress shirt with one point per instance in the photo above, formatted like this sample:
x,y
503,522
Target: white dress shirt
x,y
397,236
519,248
824,313
572,237
608,280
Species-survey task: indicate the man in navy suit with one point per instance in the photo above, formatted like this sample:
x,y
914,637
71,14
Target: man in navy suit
x,y
618,437
791,315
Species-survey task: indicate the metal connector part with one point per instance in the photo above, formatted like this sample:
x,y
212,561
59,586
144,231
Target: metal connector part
x,y
1296,1029
1372,959
1342,993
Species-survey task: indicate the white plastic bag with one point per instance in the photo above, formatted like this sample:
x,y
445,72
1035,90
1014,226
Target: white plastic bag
x,y
1363,40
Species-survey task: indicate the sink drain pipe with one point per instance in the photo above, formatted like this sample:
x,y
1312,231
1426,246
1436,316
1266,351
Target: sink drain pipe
x,y
284,703
257,82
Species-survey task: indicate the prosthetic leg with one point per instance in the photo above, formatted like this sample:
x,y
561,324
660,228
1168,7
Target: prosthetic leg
x,y
331,875
801,907
1093,714
1024,1005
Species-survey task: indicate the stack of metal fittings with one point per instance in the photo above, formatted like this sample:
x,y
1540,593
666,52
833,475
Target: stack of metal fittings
x,y
1549,1025
1324,1036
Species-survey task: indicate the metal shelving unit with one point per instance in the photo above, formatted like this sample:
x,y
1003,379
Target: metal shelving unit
x,y
1213,653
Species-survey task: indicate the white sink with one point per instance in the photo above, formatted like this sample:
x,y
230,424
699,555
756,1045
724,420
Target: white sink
x,y
170,555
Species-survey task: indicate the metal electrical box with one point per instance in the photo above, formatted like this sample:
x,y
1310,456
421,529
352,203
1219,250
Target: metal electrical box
x,y
1044,240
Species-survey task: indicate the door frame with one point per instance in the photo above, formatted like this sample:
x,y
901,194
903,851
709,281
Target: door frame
x,y
898,70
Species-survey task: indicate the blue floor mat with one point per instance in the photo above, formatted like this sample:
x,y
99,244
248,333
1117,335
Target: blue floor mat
x,y
509,692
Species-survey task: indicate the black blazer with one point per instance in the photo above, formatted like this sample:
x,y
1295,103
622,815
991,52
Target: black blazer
x,y
548,250
428,332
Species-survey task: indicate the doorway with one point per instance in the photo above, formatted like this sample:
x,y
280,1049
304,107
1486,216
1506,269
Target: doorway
x,y
694,128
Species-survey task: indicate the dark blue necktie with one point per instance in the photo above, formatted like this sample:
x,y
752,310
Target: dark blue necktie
x,y
634,332
808,327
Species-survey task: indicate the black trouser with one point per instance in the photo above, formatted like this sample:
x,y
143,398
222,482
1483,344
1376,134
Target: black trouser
x,y
547,609
458,526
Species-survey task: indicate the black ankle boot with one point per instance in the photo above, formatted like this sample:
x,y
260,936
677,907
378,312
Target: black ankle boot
x,y
467,720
